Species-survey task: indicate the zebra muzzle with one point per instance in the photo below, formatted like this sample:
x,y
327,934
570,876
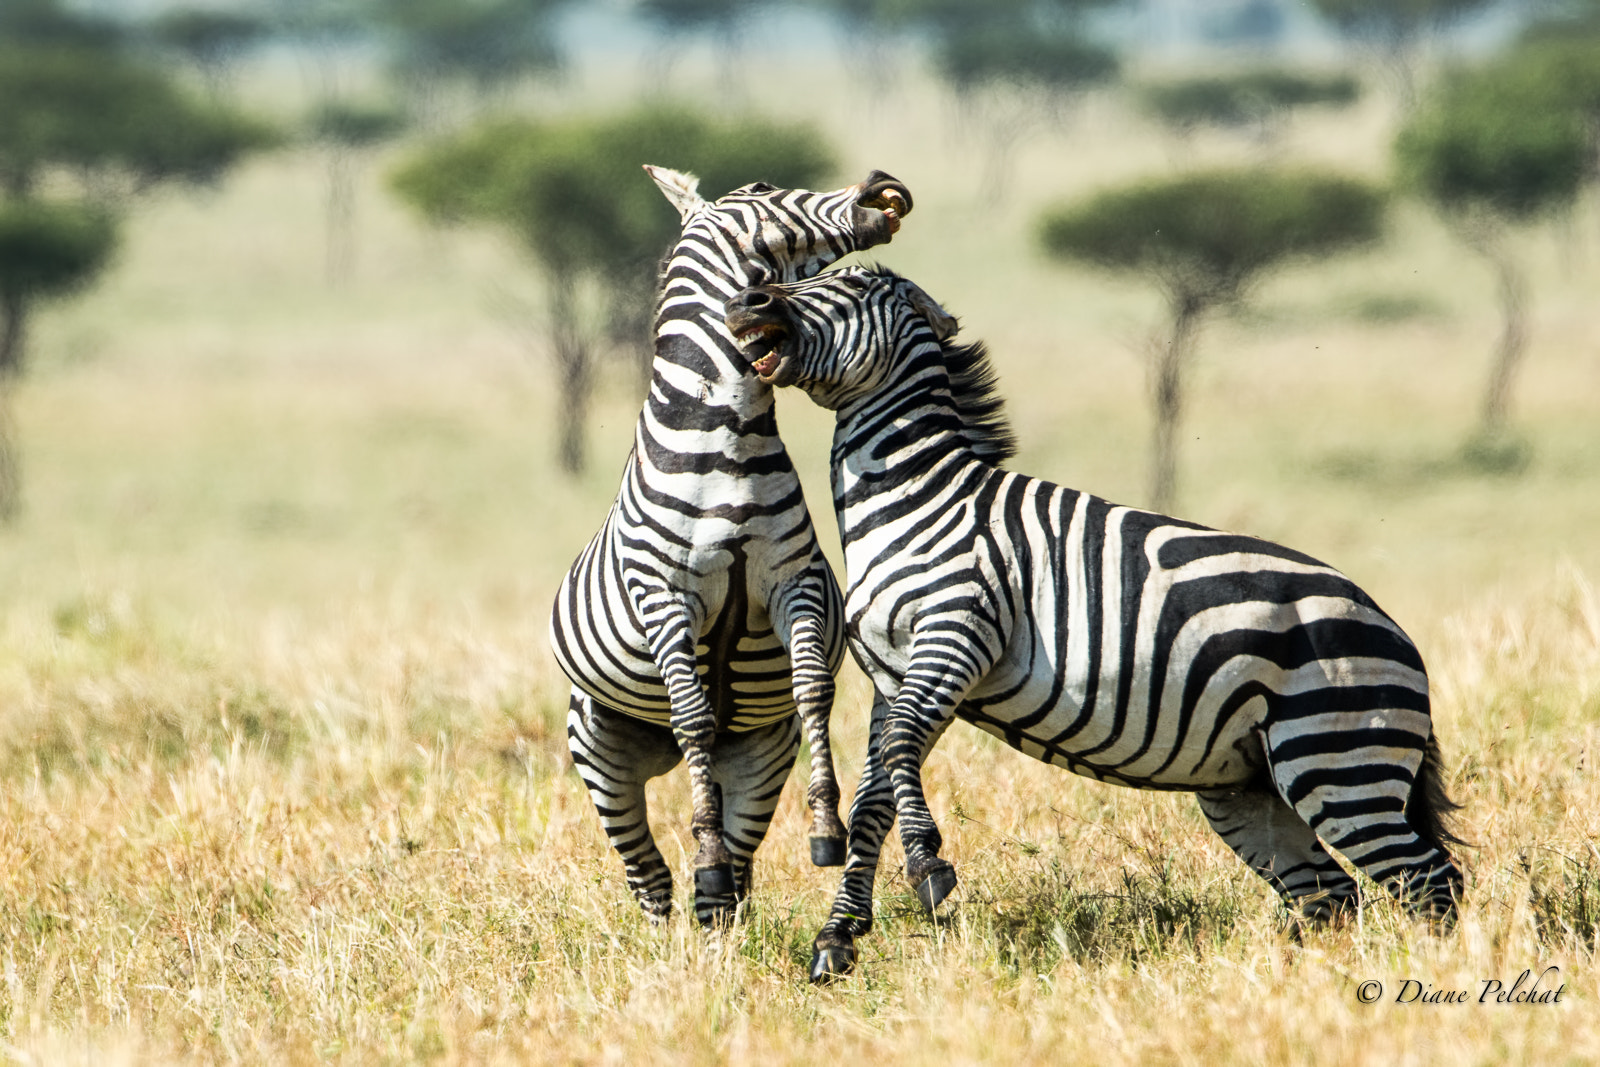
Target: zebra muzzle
x,y
754,319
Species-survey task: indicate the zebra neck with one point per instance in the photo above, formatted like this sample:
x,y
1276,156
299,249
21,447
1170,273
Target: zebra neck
x,y
907,443
697,365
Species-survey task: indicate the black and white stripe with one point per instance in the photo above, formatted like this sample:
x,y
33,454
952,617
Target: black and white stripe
x,y
703,615
1115,643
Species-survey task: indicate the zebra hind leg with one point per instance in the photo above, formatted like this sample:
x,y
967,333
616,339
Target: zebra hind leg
x,y
616,755
749,770
1382,808
1278,845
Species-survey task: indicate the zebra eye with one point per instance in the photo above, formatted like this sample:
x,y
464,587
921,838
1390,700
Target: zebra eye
x,y
756,187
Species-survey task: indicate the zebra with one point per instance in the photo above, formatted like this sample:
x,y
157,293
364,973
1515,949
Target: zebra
x,y
1119,644
703,614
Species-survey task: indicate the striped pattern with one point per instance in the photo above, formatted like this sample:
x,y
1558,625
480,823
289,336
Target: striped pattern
x,y
1126,646
703,616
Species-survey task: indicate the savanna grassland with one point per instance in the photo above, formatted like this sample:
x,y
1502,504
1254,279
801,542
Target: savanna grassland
x,y
283,774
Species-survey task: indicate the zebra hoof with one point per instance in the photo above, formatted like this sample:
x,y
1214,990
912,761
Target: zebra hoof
x,y
832,962
827,852
936,886
714,881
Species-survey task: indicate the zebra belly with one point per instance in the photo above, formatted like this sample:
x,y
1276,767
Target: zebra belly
x,y
1043,720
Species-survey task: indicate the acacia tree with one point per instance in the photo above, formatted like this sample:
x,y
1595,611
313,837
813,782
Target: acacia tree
x,y
484,45
213,42
1260,100
1014,66
348,134
1492,150
84,125
1395,31
574,197
1205,239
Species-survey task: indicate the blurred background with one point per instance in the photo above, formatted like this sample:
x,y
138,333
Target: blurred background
x,y
322,309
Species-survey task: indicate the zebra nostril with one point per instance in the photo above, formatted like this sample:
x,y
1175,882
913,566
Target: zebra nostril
x,y
754,299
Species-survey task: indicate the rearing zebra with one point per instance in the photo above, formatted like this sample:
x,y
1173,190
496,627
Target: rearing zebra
x,y
703,614
1122,645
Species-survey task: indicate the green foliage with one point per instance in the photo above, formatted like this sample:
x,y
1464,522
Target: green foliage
x,y
1512,138
485,41
1238,99
1395,19
90,110
573,192
1019,54
46,23
357,125
207,36
690,16
1205,236
48,249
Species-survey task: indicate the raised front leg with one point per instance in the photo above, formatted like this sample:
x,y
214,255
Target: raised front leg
x,y
814,651
871,817
694,727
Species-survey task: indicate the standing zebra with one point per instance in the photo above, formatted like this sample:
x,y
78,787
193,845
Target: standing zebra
x,y
1122,645
703,615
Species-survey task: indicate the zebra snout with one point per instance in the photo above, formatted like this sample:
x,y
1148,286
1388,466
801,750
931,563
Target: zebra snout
x,y
752,299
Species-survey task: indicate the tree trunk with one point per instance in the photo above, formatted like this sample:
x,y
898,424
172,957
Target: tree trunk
x,y
13,331
575,371
1489,240
341,225
1167,383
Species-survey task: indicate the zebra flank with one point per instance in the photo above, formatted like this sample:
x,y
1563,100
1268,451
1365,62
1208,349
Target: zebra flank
x,y
702,623
1126,646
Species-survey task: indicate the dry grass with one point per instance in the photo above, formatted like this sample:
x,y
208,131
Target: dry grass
x,y
282,766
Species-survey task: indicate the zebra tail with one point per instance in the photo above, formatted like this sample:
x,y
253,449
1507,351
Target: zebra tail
x,y
1429,807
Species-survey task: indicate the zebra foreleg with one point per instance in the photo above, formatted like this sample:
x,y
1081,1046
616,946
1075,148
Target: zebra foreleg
x,y
923,709
1278,845
872,816
616,755
813,684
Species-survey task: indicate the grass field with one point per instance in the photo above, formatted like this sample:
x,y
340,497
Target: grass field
x,y
282,766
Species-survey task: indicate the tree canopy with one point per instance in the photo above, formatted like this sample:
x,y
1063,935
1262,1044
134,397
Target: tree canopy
x,y
1513,138
1236,99
573,192
88,110
1207,235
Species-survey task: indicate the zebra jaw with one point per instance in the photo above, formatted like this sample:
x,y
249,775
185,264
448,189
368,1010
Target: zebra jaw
x,y
893,206
760,342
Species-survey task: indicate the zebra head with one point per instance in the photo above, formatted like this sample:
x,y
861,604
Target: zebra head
x,y
838,336
759,232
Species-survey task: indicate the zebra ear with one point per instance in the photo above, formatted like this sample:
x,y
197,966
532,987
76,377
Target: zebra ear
x,y
943,323
680,189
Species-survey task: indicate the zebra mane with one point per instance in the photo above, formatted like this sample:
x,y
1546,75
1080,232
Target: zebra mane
x,y
975,388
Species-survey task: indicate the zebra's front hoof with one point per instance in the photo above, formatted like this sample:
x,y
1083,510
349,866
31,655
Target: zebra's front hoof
x,y
832,962
714,881
936,886
827,852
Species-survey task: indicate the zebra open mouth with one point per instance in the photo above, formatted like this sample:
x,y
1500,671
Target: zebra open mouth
x,y
893,206
760,342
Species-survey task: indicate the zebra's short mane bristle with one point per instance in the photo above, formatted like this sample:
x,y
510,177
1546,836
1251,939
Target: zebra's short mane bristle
x,y
975,387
